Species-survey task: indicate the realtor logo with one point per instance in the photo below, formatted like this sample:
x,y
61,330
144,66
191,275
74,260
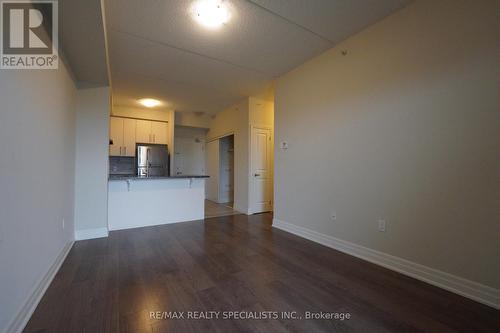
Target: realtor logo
x,y
29,34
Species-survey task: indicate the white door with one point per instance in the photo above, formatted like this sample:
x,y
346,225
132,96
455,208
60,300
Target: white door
x,y
212,183
116,136
159,131
143,131
128,137
261,176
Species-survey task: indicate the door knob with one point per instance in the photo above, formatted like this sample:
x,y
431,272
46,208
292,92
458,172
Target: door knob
x,y
257,175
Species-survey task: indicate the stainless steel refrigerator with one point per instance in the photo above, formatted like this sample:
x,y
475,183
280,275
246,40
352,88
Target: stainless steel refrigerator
x,y
152,160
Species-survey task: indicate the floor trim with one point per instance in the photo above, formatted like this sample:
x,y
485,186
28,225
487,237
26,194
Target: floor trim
x,y
470,289
91,233
24,315
241,210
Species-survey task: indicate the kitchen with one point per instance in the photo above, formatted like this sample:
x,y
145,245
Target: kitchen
x,y
142,190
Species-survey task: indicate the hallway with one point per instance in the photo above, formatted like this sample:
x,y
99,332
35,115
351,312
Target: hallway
x,y
213,209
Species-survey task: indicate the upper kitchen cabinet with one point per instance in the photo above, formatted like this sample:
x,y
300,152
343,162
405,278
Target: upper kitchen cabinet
x,y
159,131
125,132
122,137
115,136
152,132
143,131
129,137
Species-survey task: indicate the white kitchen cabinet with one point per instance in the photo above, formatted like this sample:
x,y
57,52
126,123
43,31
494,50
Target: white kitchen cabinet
x,y
126,132
122,136
129,137
143,131
116,136
159,132
152,132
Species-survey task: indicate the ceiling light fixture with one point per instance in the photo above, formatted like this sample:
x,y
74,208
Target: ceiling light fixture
x,y
211,13
149,102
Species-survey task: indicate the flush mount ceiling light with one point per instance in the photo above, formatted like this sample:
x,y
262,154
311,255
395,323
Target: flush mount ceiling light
x,y
211,13
149,102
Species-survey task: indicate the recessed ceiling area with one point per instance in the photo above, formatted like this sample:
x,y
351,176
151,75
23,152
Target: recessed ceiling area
x,y
156,48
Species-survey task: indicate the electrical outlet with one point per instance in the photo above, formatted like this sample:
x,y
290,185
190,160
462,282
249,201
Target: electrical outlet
x,y
381,225
333,215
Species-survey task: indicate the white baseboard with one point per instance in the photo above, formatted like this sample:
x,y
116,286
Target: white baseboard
x,y
470,289
24,315
242,210
91,233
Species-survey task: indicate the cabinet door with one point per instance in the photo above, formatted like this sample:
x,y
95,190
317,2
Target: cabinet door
x,y
129,137
116,136
159,130
143,131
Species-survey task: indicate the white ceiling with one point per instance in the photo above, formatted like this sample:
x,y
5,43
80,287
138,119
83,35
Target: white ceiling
x,y
157,49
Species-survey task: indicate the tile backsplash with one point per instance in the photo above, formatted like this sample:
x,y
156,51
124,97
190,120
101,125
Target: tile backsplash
x,y
121,165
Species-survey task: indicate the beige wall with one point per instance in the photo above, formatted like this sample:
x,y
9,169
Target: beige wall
x,y
193,161
91,167
192,119
234,119
37,161
261,112
405,127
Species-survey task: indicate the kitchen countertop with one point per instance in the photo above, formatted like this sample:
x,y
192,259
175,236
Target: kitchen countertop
x,y
134,177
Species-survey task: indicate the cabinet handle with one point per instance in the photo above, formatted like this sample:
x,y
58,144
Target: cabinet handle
x,y
125,150
120,150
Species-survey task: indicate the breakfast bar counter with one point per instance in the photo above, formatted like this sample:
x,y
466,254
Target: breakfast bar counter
x,y
145,201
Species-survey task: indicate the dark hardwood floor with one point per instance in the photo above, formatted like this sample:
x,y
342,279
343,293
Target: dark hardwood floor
x,y
239,263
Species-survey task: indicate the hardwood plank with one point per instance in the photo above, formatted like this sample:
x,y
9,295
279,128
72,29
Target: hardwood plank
x,y
239,263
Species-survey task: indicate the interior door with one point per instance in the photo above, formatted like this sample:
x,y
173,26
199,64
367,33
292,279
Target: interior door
x,y
159,131
143,131
116,136
212,183
128,137
261,170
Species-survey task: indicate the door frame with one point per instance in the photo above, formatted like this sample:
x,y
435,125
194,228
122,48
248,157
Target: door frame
x,y
220,136
251,187
207,141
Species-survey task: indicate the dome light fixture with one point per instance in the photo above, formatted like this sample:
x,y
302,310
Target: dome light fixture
x,y
149,102
211,14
